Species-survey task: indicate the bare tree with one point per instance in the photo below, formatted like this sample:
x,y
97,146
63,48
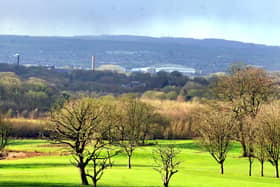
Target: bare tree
x,y
148,121
129,126
165,162
250,136
127,135
76,125
260,148
128,146
269,124
246,88
111,117
217,129
101,160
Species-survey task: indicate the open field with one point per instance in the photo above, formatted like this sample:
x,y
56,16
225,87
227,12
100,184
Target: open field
x,y
198,169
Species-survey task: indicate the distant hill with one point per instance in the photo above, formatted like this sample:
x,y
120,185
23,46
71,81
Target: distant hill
x,y
208,55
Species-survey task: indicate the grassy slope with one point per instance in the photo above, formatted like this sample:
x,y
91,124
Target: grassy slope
x,y
197,170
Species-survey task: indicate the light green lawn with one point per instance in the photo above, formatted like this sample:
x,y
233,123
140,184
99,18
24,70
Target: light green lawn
x,y
197,170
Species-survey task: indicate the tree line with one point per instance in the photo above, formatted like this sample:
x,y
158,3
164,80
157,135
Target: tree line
x,y
246,110
244,107
31,91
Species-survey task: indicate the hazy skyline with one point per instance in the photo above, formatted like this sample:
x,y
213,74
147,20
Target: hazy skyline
x,y
249,21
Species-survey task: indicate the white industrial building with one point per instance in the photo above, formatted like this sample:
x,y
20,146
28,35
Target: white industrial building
x,y
167,68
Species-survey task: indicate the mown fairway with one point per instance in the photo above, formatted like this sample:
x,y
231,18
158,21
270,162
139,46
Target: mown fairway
x,y
197,170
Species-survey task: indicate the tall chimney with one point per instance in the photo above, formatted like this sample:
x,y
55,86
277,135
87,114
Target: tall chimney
x,y
18,58
93,63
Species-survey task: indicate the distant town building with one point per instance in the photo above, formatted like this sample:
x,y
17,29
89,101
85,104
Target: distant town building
x,y
166,68
112,68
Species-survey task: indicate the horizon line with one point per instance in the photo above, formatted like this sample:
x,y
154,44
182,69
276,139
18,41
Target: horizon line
x,y
131,35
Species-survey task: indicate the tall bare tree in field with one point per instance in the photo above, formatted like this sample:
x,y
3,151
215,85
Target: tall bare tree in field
x,y
110,119
135,123
128,127
217,129
148,121
246,88
100,161
250,138
76,125
166,163
260,151
269,124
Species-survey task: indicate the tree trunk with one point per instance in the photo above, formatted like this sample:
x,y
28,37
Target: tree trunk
x,y
277,169
83,176
165,184
143,140
129,162
222,168
94,183
250,166
262,172
244,147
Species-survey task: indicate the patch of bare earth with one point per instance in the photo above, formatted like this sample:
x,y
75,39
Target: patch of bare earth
x,y
16,155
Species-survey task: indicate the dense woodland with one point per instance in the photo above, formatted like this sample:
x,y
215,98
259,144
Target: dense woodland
x,y
30,92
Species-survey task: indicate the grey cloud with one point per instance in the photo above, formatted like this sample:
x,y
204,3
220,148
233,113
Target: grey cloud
x,y
109,16
140,10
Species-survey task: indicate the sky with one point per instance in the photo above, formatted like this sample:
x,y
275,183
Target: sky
x,y
256,21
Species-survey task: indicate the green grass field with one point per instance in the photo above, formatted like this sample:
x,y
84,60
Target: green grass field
x,y
197,170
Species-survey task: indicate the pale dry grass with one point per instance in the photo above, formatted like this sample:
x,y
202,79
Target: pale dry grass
x,y
27,120
27,128
182,116
174,109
